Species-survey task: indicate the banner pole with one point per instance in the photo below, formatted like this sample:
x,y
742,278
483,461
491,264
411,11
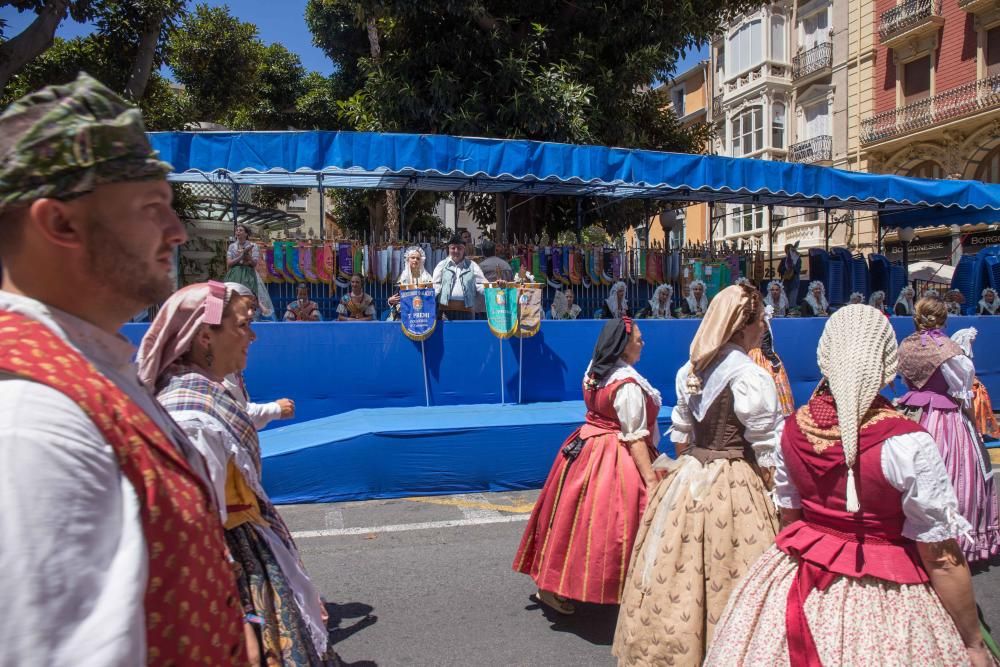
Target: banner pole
x,y
427,391
520,367
500,344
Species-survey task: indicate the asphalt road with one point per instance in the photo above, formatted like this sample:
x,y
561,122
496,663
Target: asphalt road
x,y
428,581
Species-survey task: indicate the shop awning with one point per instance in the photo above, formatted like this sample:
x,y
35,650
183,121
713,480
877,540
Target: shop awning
x,y
448,163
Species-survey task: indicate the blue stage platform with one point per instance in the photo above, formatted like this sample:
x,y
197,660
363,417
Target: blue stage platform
x,y
397,452
362,431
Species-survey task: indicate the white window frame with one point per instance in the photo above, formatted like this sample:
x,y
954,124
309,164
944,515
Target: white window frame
x,y
739,48
755,131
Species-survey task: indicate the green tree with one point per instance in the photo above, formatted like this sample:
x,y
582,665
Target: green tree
x,y
547,70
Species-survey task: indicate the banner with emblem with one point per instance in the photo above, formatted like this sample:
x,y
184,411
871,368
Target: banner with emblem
x,y
529,309
417,311
501,310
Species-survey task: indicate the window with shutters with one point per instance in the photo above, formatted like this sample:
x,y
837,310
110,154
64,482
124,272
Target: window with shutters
x,y
778,125
778,52
815,30
917,80
744,49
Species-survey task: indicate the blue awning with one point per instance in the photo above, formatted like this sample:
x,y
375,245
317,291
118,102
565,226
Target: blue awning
x,y
448,163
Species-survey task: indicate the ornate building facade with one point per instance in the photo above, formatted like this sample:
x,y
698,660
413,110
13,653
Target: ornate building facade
x,y
937,96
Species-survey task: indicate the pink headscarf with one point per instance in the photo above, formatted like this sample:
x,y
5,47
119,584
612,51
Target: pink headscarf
x,y
172,332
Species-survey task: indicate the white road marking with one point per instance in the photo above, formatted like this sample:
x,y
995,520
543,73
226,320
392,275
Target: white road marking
x,y
400,527
476,513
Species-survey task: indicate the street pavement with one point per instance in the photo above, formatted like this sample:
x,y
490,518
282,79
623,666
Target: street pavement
x,y
428,581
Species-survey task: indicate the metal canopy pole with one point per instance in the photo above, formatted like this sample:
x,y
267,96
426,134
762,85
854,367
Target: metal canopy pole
x,y
236,206
826,233
322,210
402,214
770,241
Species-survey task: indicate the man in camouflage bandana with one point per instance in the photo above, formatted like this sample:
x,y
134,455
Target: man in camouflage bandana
x,y
88,569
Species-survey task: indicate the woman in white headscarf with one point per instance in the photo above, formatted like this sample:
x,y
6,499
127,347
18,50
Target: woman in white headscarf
x,y
989,304
904,303
776,298
563,307
711,516
982,406
856,298
200,335
616,305
695,304
660,305
867,569
815,303
413,273
877,301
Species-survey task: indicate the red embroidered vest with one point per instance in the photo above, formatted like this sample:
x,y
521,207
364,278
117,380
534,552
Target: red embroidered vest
x,y
601,416
193,615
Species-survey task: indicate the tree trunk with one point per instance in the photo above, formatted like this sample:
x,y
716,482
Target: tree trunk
x,y
373,44
32,41
142,68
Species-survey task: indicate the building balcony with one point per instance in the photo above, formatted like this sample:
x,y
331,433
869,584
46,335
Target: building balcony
x,y
910,20
977,6
816,61
811,151
767,72
954,103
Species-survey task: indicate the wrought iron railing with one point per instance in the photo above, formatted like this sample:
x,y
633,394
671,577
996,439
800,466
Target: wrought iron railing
x,y
904,16
952,103
813,60
816,149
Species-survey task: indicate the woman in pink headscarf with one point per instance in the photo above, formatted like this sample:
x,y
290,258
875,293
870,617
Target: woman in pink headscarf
x,y
202,334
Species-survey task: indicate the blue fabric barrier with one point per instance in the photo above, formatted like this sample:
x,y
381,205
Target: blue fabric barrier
x,y
329,367
363,431
399,452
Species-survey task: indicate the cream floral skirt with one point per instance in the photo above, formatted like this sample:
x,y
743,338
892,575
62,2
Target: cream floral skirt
x,y
857,622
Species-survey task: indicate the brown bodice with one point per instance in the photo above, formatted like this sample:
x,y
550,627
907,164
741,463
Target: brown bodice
x,y
720,434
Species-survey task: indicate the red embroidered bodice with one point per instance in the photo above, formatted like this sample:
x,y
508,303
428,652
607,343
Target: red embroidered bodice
x,y
601,416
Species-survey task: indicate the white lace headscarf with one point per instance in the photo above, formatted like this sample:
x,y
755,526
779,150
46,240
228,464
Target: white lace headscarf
x,y
965,338
696,305
818,306
780,308
858,356
406,277
856,297
991,308
932,293
661,312
877,299
906,298
612,301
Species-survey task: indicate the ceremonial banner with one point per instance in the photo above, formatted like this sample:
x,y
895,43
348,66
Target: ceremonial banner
x,y
529,310
417,311
501,310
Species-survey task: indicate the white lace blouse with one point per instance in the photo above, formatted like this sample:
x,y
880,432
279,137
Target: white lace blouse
x,y
755,401
912,465
630,404
959,372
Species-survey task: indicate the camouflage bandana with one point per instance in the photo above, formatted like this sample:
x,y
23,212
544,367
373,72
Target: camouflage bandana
x,y
63,141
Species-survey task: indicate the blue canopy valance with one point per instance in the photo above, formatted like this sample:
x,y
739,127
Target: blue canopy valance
x,y
448,163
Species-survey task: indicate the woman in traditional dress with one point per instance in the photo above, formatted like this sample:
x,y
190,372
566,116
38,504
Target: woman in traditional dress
x,y
579,536
242,262
303,309
414,273
616,305
201,335
659,305
877,301
989,304
982,406
695,304
856,298
815,303
767,358
904,303
954,299
357,305
940,378
711,517
776,298
866,570
563,307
